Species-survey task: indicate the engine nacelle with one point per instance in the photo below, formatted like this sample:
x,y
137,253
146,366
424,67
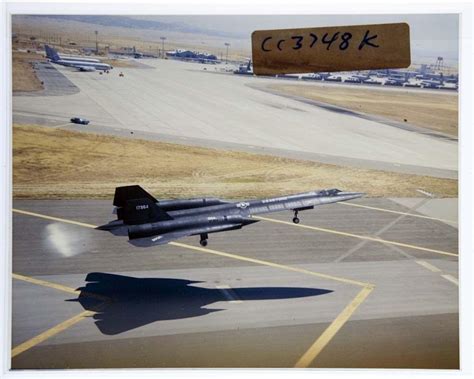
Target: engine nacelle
x,y
176,205
213,223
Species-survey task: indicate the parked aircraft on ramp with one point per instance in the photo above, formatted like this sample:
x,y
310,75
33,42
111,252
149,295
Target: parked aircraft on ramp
x,y
82,64
149,222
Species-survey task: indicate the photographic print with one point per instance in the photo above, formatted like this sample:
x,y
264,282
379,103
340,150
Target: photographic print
x,y
235,191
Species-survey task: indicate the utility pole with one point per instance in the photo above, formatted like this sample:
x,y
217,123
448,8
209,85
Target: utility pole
x,y
227,44
163,47
96,43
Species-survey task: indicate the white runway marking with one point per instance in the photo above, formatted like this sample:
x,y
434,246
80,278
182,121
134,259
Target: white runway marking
x,y
230,294
425,193
428,266
451,278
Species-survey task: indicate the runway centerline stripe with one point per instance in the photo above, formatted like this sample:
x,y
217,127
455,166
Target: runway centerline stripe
x,y
380,240
397,212
321,342
50,333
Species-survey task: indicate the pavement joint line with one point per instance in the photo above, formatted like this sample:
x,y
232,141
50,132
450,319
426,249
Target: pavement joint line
x,y
315,349
377,235
397,212
429,266
380,240
451,278
50,333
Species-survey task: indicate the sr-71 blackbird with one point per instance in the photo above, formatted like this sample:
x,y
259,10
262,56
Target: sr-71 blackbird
x,y
149,222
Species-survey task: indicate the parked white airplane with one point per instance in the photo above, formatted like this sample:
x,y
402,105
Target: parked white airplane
x,y
82,65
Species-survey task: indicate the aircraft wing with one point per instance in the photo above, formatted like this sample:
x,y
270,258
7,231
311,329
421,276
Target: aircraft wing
x,y
171,236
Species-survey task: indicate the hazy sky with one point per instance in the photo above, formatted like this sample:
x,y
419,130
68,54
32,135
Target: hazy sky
x,y
432,35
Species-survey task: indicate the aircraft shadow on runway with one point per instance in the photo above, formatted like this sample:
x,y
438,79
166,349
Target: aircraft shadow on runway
x,y
136,302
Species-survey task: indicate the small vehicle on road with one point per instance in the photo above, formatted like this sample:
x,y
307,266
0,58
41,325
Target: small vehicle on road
x,y
79,120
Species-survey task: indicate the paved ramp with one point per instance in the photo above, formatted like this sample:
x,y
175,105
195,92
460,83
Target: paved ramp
x,y
180,100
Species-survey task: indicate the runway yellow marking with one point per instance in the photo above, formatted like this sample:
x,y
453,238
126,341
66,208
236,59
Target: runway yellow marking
x,y
380,240
321,342
397,212
50,333
59,287
270,264
429,266
309,355
451,278
44,283
230,295
216,252
54,218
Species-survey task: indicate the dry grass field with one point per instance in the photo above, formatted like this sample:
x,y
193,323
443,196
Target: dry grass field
x,y
24,78
436,111
54,163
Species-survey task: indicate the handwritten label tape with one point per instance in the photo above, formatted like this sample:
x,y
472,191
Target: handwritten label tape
x,y
338,48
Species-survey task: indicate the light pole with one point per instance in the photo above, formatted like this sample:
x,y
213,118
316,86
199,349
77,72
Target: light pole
x,y
96,43
227,44
162,46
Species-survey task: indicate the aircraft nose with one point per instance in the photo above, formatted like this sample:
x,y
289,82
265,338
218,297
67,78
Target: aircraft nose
x,y
351,195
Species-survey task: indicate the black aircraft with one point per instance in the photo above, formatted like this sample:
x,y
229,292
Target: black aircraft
x,y
149,222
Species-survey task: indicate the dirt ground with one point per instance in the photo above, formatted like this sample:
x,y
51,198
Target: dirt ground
x,y
54,163
436,111
24,77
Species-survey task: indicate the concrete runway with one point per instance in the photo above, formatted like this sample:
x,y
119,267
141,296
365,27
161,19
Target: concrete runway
x,y
180,102
269,295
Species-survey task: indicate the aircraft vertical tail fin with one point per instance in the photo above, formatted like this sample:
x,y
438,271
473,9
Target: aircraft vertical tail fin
x,y
51,53
136,206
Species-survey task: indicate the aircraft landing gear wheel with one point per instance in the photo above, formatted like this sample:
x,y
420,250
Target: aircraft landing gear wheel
x,y
296,220
203,240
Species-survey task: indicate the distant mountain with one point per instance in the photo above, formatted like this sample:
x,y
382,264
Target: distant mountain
x,y
136,23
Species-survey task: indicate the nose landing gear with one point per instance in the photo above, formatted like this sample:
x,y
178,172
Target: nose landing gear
x,y
296,220
203,240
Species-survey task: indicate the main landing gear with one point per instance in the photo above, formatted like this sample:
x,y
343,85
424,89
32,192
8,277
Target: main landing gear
x,y
203,240
296,220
